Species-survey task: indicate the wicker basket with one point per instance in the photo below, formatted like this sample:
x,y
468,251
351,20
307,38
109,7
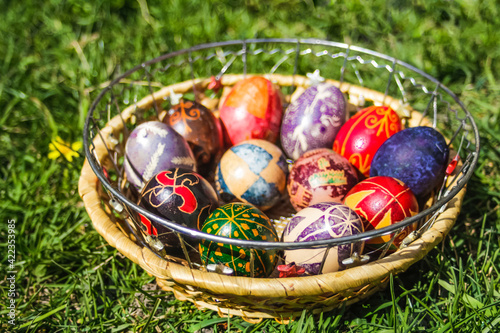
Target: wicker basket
x,y
106,198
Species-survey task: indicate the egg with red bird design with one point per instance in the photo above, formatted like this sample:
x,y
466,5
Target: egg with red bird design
x,y
322,221
382,201
362,135
179,195
201,129
152,147
320,175
252,110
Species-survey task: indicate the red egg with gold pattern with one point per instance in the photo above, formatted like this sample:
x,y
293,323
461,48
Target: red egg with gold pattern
x,y
252,110
381,201
320,175
202,131
179,195
362,135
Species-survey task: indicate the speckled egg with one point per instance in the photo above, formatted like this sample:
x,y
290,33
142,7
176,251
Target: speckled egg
x,y
417,156
239,221
152,147
313,120
179,195
253,171
381,201
201,129
320,175
361,136
252,110
326,220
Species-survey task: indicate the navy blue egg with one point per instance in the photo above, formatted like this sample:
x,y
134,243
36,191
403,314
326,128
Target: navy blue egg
x,y
417,156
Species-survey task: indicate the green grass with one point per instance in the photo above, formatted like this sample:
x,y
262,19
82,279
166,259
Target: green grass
x,y
55,54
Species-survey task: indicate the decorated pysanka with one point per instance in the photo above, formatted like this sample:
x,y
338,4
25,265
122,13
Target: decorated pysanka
x,y
320,175
361,136
179,195
152,147
239,221
313,120
326,220
253,171
381,201
252,110
201,129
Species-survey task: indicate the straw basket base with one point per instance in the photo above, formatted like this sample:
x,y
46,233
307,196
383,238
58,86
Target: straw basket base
x,y
252,298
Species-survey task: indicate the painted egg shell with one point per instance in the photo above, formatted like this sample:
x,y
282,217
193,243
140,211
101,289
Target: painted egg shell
x,y
240,221
320,175
361,136
325,220
179,195
381,201
417,156
202,131
252,110
253,171
152,147
313,120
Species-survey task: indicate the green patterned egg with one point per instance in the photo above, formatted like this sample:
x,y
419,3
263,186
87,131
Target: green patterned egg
x,y
241,221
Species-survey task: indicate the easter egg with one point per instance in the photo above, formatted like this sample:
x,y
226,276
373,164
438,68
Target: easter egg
x,y
361,136
313,120
325,220
152,147
417,156
179,195
201,129
320,175
381,201
253,171
252,110
239,221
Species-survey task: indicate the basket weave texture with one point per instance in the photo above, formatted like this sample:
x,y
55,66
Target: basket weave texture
x,y
255,298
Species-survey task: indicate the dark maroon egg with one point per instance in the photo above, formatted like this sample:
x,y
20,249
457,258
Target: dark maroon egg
x,y
320,175
179,195
201,129
313,120
153,146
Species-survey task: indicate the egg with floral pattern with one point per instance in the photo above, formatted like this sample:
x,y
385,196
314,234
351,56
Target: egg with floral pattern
x,y
362,135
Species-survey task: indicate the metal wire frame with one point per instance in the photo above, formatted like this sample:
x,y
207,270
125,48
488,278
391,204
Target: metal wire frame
x,y
297,50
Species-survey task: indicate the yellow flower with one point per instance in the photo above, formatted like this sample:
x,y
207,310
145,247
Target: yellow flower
x,y
59,147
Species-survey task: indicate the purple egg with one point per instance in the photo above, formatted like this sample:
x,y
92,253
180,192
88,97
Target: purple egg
x,y
417,156
326,220
313,120
153,147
